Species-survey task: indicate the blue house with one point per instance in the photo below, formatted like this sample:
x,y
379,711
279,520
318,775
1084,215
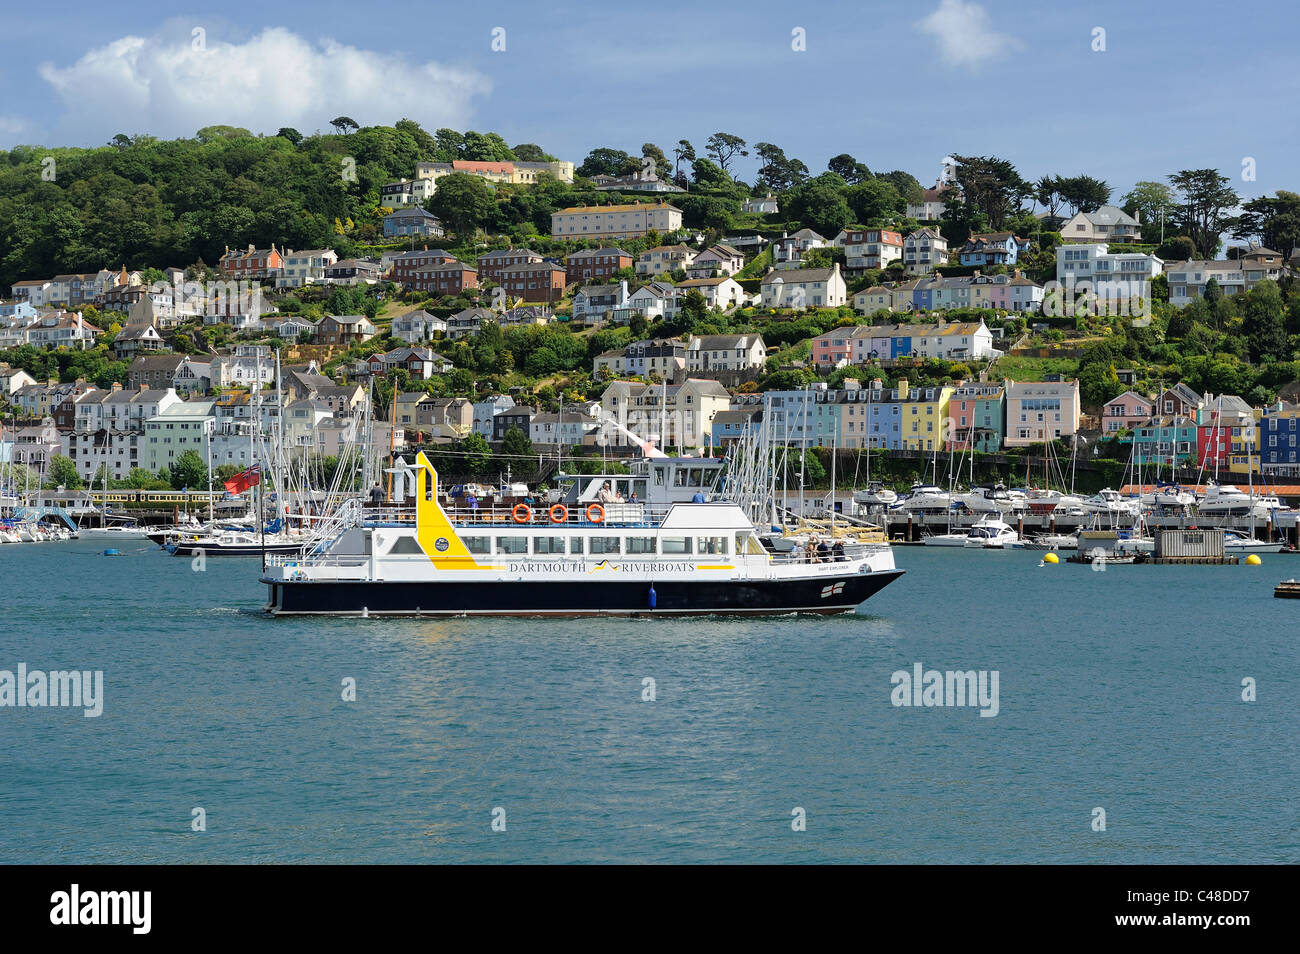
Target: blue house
x,y
992,248
14,312
1279,434
414,221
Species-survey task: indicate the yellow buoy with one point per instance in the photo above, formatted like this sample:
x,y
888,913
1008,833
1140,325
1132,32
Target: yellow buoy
x,y
1253,560
1051,558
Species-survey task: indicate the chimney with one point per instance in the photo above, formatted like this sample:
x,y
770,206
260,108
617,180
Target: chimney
x,y
877,384
117,386
903,389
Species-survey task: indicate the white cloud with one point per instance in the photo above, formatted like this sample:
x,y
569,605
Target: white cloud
x,y
964,34
163,86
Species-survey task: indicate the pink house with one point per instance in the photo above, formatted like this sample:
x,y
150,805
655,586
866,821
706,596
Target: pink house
x,y
1126,412
836,345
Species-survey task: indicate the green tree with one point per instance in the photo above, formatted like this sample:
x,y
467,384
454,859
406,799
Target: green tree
x,y
62,472
189,471
1275,221
476,454
463,201
342,124
1083,193
778,172
1154,206
821,204
991,185
516,444
1265,322
1205,201
849,169
723,147
604,160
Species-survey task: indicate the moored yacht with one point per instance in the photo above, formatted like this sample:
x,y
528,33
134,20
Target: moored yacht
x,y
1110,502
925,498
1235,542
991,533
995,499
1225,500
875,495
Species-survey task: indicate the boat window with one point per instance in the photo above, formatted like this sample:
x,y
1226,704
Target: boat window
x,y
405,544
575,545
512,544
640,545
659,476
748,543
548,544
674,545
714,546
638,488
696,478
601,545
679,477
477,544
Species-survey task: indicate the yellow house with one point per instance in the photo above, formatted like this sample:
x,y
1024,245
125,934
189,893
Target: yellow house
x,y
922,415
1244,447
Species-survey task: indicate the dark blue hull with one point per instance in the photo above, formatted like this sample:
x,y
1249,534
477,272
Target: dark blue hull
x,y
827,594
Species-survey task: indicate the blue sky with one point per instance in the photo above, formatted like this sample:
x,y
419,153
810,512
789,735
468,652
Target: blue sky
x,y
1179,85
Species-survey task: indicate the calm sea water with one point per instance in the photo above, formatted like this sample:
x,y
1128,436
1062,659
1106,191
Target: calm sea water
x,y
1119,690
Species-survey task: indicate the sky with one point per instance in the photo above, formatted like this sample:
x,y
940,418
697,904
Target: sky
x,y
1164,86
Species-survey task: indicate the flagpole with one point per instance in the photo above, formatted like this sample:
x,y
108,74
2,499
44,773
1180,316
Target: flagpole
x,y
261,522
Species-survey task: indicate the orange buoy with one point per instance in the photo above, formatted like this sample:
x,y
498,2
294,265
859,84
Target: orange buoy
x,y
596,513
559,513
522,513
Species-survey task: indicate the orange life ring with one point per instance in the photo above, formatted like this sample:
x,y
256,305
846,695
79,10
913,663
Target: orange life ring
x,y
596,513
559,513
522,513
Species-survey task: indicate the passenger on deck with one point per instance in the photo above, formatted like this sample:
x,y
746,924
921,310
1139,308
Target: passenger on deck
x,y
838,551
813,556
606,496
699,497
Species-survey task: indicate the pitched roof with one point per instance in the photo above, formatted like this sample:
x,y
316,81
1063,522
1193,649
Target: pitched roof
x,y
1110,215
798,275
634,207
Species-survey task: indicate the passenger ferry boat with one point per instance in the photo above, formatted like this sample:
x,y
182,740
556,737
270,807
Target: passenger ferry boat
x,y
581,556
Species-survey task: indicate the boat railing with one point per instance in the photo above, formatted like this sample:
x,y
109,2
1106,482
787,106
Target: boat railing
x,y
315,559
622,514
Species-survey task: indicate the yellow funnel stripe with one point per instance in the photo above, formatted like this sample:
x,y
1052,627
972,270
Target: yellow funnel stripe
x,y
432,525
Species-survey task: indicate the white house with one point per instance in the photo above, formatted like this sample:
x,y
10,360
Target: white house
x,y
1112,277
869,248
718,292
1106,224
663,259
305,268
707,353
1039,411
788,250
671,415
924,250
764,206
417,326
719,260
804,288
